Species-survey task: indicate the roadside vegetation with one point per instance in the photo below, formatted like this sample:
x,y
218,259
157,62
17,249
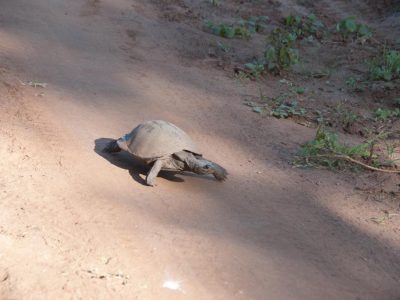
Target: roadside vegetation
x,y
286,59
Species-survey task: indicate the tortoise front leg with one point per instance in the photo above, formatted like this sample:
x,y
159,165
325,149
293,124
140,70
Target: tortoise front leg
x,y
155,169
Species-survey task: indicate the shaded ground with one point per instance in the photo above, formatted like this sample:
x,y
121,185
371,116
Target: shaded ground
x,y
76,224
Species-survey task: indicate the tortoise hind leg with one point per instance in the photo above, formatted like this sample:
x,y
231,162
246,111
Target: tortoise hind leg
x,y
155,169
112,147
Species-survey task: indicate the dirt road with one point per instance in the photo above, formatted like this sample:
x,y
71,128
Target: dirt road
x,y
77,224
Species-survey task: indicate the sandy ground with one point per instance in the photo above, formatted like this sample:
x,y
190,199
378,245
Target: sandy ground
x,y
78,224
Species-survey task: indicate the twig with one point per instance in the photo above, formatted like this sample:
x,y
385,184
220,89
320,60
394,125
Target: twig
x,y
348,158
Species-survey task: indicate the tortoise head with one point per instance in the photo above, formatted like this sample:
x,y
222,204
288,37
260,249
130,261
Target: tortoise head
x,y
204,166
199,165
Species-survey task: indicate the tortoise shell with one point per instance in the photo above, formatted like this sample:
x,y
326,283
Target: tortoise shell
x,y
154,139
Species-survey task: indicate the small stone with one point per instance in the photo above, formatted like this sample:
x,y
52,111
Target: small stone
x,y
4,275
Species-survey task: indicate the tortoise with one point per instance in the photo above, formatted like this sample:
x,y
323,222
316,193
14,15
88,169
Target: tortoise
x,y
164,146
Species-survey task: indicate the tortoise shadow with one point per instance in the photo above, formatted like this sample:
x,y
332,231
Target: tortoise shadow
x,y
136,168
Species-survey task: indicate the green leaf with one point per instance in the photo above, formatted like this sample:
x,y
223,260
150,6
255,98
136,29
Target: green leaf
x,y
312,17
229,32
350,24
364,30
270,54
300,90
387,74
257,109
250,66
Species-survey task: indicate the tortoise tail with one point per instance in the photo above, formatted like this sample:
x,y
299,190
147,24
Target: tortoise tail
x,y
219,172
112,147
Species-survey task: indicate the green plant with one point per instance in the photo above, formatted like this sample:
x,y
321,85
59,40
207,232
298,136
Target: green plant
x,y
320,119
288,110
355,85
257,23
345,117
281,53
256,69
326,150
382,114
278,107
294,24
385,67
260,105
304,26
227,30
300,90
348,27
215,2
241,28
313,24
348,118
351,82
327,142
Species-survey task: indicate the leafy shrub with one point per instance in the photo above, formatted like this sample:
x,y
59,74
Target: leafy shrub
x,y
241,28
355,84
256,68
345,117
326,150
257,23
326,142
281,53
386,67
382,114
304,26
280,107
288,110
348,27
215,2
292,21
228,31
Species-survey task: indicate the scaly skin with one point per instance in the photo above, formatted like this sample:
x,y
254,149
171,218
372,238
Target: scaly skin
x,y
199,165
